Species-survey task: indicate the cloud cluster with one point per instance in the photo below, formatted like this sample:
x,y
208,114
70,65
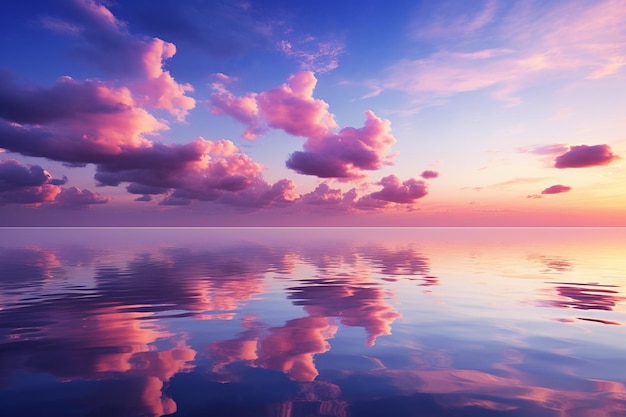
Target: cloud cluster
x,y
292,108
105,126
32,185
109,125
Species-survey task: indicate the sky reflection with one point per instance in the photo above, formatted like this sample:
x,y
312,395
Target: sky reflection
x,y
312,322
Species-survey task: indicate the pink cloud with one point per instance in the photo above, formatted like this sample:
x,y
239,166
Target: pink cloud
x,y
428,174
347,154
159,89
109,45
28,185
583,156
292,108
405,192
553,149
95,120
323,195
355,306
556,189
75,197
106,126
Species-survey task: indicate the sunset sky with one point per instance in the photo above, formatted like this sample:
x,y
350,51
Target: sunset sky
x,y
309,113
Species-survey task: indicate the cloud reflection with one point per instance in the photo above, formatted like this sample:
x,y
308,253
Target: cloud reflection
x,y
586,296
120,326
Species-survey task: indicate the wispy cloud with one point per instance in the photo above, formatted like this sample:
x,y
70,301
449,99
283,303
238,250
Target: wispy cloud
x,y
582,39
312,54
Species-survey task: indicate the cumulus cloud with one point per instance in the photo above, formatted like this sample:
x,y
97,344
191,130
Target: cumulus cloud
x,y
75,197
72,121
347,154
292,108
583,156
556,189
110,46
21,184
104,125
395,191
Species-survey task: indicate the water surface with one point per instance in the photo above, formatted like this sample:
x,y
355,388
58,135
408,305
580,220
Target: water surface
x,y
313,322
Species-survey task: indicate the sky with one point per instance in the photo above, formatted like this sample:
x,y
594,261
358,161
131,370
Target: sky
x,y
313,113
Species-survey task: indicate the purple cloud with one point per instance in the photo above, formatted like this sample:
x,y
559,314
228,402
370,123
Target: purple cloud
x,y
583,156
110,46
347,154
405,192
556,189
428,174
75,197
20,184
106,126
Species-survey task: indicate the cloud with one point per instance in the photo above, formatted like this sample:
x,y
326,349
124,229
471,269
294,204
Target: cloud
x,y
405,192
323,195
583,156
428,174
444,19
581,39
553,149
347,154
312,54
556,189
292,108
106,126
110,46
72,121
20,184
75,197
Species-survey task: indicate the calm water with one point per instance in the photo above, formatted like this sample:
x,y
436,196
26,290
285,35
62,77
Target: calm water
x,y
333,322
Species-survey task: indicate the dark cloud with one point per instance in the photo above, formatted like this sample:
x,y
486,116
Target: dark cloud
x,y
66,99
21,184
584,156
